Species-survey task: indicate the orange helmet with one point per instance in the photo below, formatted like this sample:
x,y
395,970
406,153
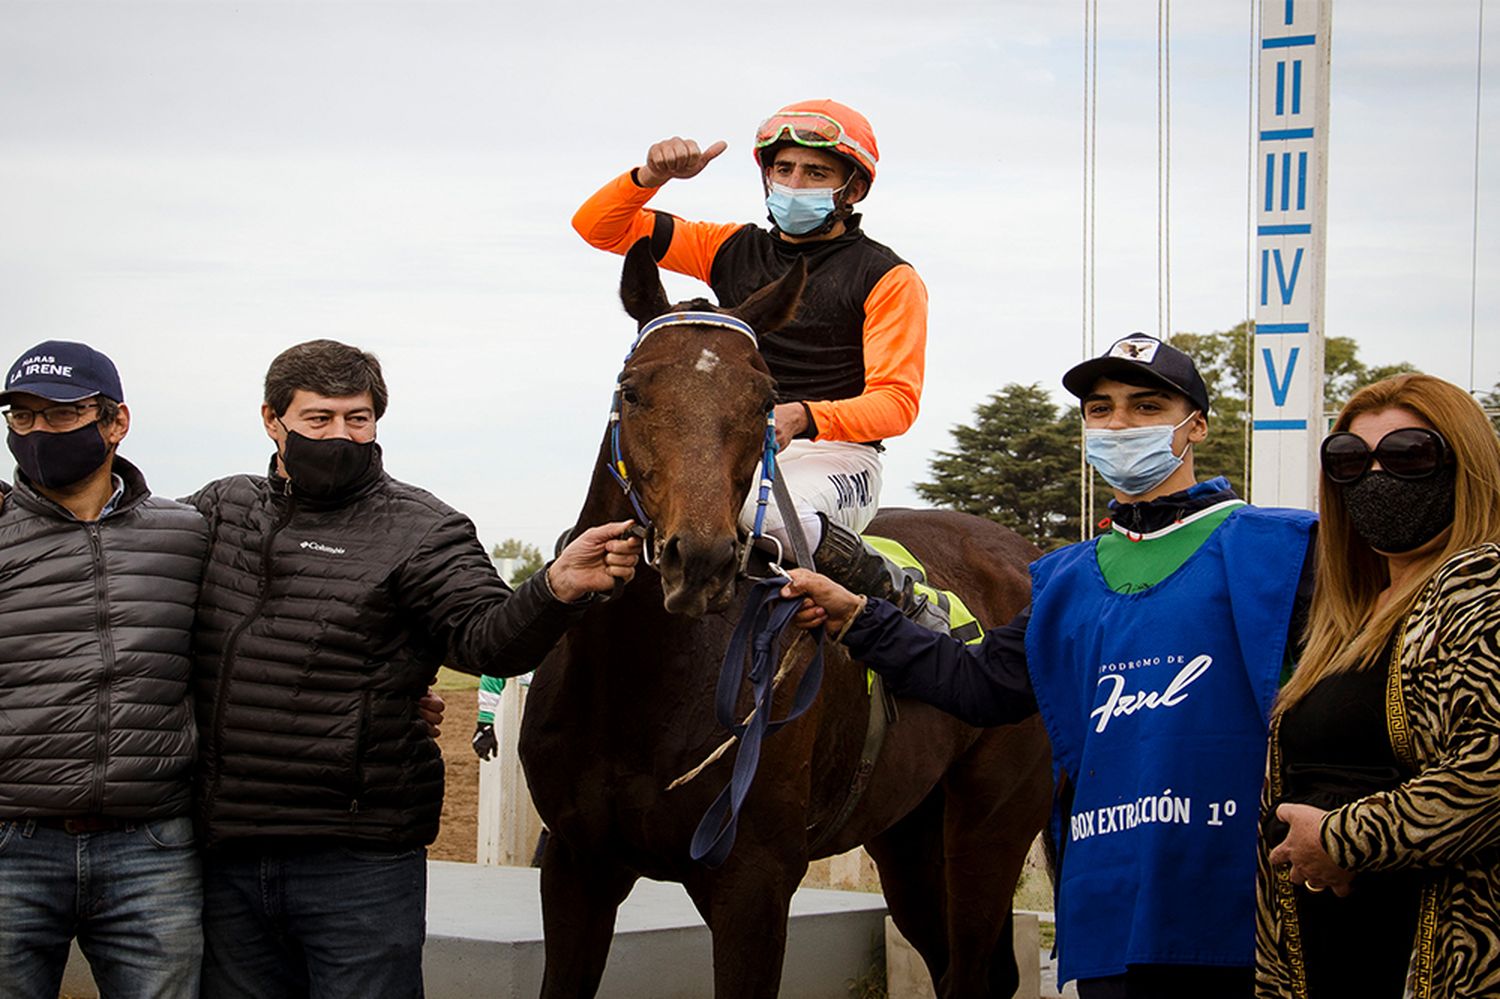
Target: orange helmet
x,y
822,124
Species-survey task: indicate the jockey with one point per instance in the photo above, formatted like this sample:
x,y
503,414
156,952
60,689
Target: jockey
x,y
849,365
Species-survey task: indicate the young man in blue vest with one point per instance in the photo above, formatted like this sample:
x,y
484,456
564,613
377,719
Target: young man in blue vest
x,y
1153,654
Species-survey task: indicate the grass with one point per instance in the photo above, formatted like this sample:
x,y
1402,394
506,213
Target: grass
x,y
872,983
452,679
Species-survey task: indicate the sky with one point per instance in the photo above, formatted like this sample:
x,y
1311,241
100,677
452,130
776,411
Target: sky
x,y
194,186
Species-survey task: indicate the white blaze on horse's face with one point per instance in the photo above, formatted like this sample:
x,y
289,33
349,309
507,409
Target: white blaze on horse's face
x,y
692,431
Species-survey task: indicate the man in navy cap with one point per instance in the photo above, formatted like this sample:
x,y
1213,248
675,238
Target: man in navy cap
x,y
1153,654
97,739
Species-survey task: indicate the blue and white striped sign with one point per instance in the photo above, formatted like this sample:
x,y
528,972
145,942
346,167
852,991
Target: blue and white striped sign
x,y
1287,272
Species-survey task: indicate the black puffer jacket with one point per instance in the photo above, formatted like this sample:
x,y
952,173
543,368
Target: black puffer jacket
x,y
95,623
320,625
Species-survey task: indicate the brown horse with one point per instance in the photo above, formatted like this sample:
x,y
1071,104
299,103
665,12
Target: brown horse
x,y
624,706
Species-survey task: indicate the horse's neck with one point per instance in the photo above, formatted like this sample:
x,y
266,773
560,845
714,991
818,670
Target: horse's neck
x,y
605,501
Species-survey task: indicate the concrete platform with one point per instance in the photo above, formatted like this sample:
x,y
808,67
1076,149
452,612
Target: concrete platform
x,y
484,938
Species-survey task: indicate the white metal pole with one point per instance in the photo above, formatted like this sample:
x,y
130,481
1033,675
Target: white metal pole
x,y
1288,265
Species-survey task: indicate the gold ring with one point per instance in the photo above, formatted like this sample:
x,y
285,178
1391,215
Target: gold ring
x,y
1312,887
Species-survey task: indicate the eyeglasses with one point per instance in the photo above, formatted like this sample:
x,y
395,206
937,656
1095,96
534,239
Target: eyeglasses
x,y
1408,453
808,128
63,417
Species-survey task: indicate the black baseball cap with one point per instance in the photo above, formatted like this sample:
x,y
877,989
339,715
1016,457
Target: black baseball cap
x,y
63,371
1141,359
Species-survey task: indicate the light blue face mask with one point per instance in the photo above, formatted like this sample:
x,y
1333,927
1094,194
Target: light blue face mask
x,y
799,210
1135,460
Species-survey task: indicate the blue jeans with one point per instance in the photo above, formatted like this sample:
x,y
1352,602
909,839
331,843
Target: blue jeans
x,y
325,923
133,897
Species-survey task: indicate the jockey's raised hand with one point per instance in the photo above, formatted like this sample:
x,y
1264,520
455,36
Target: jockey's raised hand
x,y
675,158
593,561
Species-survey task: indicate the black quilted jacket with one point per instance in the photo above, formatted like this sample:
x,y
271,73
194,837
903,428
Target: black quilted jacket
x,y
319,626
95,618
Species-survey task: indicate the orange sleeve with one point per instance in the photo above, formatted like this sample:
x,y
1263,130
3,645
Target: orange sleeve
x,y
895,361
616,217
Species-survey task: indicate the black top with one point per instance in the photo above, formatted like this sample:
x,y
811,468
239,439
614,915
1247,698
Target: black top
x,y
1335,749
320,624
820,353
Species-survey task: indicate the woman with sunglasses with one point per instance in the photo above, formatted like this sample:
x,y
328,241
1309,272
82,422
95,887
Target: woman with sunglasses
x,y
1380,859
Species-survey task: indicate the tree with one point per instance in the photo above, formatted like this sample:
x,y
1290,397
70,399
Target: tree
x,y
1222,359
1017,465
1018,462
1491,403
529,557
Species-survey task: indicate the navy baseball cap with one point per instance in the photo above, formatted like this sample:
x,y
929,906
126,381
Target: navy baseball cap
x,y
1141,359
63,371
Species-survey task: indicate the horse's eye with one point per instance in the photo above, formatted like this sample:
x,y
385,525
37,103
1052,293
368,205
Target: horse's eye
x,y
630,395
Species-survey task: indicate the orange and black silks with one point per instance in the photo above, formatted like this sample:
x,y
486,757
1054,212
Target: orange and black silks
x,y
855,351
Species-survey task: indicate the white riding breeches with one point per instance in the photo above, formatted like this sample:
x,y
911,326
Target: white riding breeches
x,y
836,478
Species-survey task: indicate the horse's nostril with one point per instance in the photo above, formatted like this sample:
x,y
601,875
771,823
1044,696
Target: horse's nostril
x,y
671,552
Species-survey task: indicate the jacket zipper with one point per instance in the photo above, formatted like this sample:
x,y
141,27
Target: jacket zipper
x,y
107,648
231,646
359,752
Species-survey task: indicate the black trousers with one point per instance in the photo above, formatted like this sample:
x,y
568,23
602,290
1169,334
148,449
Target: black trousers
x,y
1171,981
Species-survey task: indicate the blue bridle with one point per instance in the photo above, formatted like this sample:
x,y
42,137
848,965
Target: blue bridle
x,y
751,652
617,458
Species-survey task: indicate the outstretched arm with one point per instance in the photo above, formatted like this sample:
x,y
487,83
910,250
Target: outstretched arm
x,y
450,587
983,684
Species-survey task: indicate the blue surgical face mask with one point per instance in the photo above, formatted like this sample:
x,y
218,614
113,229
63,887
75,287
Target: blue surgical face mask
x,y
1135,460
799,210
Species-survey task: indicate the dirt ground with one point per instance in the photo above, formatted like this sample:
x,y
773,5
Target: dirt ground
x,y
458,837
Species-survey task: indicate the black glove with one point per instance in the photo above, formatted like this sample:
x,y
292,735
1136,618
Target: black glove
x,y
484,742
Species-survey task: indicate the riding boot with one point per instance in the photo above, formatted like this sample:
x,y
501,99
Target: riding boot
x,y
843,556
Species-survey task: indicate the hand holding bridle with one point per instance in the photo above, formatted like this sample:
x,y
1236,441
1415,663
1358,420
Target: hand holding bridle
x,y
594,560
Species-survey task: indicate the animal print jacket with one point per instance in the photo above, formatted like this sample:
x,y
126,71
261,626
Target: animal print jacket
x,y
1443,717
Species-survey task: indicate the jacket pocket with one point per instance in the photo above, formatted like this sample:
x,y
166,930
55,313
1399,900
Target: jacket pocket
x,y
361,739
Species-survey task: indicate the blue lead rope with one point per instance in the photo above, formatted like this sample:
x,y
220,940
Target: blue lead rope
x,y
766,616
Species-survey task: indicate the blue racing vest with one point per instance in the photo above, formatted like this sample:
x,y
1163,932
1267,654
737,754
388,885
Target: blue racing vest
x,y
1157,705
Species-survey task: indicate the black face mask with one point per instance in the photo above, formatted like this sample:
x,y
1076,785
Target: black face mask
x,y
326,468
56,461
1397,515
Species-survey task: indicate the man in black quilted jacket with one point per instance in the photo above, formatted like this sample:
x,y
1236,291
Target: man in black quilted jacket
x,y
96,725
331,594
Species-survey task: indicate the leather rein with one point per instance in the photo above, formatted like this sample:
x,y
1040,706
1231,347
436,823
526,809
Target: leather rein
x,y
766,615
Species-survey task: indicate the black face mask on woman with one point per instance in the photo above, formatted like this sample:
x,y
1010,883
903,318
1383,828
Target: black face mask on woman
x,y
1397,515
56,461
328,467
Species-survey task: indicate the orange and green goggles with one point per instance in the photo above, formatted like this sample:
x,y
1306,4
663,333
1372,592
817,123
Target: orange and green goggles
x,y
809,128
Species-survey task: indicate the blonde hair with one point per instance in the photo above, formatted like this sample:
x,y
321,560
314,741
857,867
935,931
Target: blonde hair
x,y
1345,630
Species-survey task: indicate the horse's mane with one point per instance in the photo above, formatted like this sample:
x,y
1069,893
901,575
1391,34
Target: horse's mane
x,y
695,305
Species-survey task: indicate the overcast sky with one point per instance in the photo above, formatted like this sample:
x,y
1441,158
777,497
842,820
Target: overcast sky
x,y
194,186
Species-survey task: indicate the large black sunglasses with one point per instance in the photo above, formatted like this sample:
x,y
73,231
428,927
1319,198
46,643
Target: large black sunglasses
x,y
1408,453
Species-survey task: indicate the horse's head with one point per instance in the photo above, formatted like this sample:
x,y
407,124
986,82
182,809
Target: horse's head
x,y
693,402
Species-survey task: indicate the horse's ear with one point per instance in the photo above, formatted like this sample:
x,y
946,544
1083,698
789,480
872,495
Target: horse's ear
x,y
640,284
774,305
